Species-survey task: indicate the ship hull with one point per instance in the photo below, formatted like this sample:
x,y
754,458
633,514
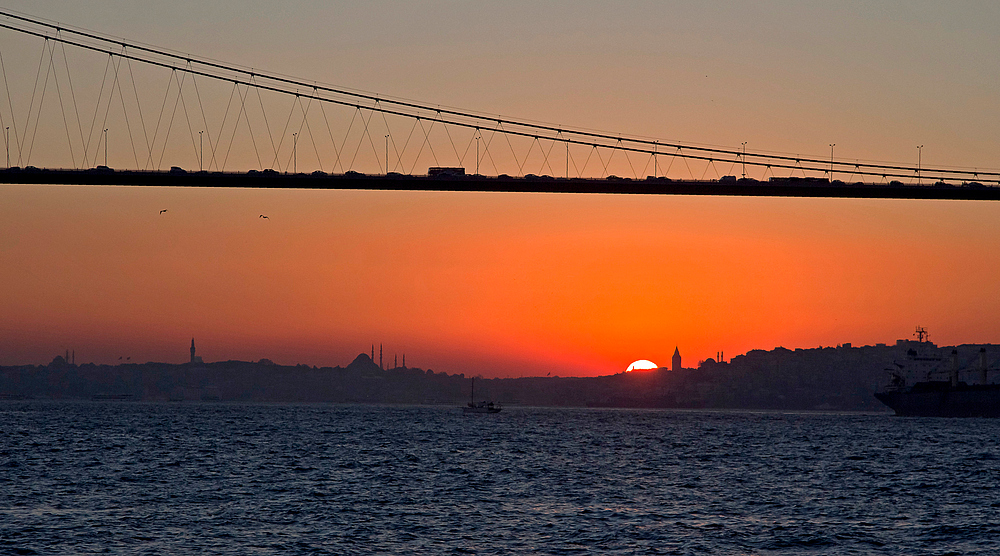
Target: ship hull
x,y
481,409
944,401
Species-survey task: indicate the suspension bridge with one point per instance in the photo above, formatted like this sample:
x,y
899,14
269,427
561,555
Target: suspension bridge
x,y
82,107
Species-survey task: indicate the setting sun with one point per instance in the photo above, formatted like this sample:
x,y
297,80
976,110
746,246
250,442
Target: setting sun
x,y
641,365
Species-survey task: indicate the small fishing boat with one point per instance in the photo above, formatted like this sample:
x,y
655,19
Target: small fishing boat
x,y
481,407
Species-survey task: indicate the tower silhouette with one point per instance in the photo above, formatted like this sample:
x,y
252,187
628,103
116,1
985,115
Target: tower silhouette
x,y
676,360
192,350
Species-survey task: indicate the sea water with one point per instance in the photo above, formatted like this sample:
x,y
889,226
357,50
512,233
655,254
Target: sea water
x,y
137,478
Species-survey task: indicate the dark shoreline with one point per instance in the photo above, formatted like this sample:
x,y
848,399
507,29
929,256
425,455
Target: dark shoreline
x,y
843,378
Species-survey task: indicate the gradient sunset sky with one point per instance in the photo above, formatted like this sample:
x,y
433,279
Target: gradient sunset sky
x,y
529,284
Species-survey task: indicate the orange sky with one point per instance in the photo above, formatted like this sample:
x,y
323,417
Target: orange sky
x,y
481,283
512,284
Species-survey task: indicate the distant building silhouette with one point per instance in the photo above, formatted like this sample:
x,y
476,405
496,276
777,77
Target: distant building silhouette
x,y
675,362
194,358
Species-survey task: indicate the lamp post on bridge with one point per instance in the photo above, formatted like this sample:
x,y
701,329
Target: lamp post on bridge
x,y
832,145
295,154
105,146
201,157
744,159
478,137
6,142
920,149
387,154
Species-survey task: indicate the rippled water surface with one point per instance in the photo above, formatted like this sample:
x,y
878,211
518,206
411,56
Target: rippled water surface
x,y
312,479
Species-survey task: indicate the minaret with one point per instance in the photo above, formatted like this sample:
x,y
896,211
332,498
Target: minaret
x,y
373,353
380,357
404,360
395,361
192,350
676,360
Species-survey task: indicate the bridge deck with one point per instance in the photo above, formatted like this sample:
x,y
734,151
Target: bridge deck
x,y
529,184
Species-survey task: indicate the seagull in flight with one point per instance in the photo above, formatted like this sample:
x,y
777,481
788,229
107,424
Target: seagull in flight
x,y
263,216
162,211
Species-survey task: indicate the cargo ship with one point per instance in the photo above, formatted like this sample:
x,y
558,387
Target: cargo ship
x,y
926,385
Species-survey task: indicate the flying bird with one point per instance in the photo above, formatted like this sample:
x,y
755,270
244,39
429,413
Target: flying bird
x,y
262,216
162,211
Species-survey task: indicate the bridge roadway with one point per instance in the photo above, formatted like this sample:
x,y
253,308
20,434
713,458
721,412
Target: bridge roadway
x,y
784,187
